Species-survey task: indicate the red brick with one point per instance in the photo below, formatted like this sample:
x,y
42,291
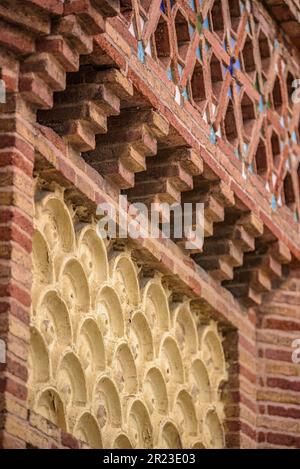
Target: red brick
x,y
281,383
69,441
12,387
288,412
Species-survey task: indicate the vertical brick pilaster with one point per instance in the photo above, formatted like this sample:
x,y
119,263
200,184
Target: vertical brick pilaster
x,y
278,374
231,391
16,229
240,390
247,379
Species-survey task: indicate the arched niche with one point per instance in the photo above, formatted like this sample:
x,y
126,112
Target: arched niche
x,y
87,430
93,256
125,280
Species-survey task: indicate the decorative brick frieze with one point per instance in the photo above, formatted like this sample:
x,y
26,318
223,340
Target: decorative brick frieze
x,y
113,360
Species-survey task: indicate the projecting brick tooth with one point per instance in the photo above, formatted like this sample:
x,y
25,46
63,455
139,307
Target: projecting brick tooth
x,y
58,46
252,298
185,157
189,160
208,227
261,281
247,295
13,39
116,81
128,140
80,113
47,69
272,266
219,253
84,119
99,94
35,91
154,191
260,269
257,279
72,28
281,252
30,17
116,172
130,156
215,197
112,78
223,193
175,166
108,7
219,269
138,136
79,134
229,242
91,17
246,229
86,111
224,248
178,177
55,7
243,239
132,118
252,224
130,159
214,211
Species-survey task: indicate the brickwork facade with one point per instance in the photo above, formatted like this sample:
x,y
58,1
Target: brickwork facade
x,y
163,101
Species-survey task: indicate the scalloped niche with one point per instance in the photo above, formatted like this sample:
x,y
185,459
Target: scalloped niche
x,y
71,381
170,438
171,361
107,404
42,266
213,431
199,379
139,425
74,286
39,363
92,253
126,282
53,319
109,312
87,430
185,413
212,352
50,406
125,370
185,330
155,392
156,306
90,347
57,224
141,340
122,442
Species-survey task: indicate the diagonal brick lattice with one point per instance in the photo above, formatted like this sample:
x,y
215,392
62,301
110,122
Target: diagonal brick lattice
x,y
239,80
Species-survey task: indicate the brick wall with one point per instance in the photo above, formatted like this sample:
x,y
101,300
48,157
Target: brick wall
x,y
278,377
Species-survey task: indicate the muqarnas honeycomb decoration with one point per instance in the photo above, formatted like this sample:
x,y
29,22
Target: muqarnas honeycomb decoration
x,y
112,360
